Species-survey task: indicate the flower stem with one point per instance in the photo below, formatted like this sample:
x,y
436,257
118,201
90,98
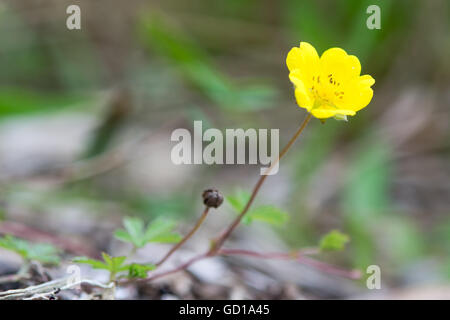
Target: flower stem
x,y
186,237
174,270
217,243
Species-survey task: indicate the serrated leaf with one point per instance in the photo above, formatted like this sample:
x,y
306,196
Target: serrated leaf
x,y
112,264
136,270
108,259
123,235
160,230
117,263
269,214
133,233
334,241
43,252
96,264
13,244
238,200
135,229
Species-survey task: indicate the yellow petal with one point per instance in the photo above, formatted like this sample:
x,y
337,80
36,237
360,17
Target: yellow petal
x,y
327,111
342,66
303,99
323,112
302,95
354,66
303,58
355,99
367,80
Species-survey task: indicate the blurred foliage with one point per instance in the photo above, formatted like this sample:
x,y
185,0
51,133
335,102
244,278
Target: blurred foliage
x,y
136,233
333,241
115,265
150,207
268,214
365,197
265,213
42,252
196,67
15,101
338,23
34,61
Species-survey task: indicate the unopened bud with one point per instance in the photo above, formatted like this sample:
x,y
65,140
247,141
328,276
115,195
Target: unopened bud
x,y
212,198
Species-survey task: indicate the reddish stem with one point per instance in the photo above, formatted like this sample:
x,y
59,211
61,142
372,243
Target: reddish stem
x,y
217,243
174,270
186,237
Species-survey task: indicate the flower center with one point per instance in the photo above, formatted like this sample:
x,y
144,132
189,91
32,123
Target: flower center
x,y
325,91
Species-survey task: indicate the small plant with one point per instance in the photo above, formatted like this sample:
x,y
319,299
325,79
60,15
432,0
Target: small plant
x,y
136,233
115,265
42,252
159,231
334,241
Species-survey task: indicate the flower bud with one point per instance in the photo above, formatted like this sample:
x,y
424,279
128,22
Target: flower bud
x,y
212,198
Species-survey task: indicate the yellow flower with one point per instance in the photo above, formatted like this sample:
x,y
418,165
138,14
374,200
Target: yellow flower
x,y
329,86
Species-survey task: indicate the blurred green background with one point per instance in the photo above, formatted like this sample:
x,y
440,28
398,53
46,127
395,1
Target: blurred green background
x,y
86,117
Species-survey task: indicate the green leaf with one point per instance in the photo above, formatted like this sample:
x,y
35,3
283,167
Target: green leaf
x,y
160,231
136,270
112,264
17,245
43,252
123,235
134,232
96,264
117,264
135,228
238,200
107,258
269,214
334,241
